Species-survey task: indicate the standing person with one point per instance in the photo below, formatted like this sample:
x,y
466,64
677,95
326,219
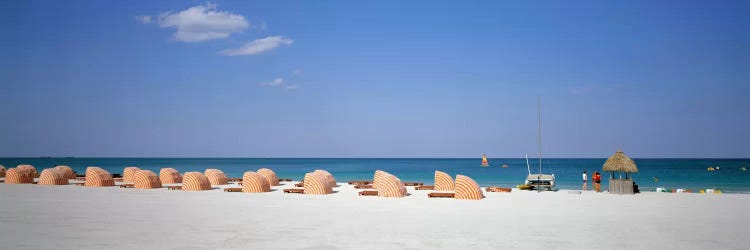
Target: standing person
x,y
585,181
597,182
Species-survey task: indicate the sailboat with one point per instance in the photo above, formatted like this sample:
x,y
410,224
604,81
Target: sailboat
x,y
485,163
538,181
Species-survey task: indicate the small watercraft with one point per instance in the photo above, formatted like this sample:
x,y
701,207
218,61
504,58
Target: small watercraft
x,y
505,165
743,169
485,163
710,169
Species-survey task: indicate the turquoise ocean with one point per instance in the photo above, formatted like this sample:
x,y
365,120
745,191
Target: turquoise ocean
x,y
669,173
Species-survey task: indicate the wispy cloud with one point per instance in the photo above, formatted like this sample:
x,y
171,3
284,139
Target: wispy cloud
x,y
199,23
143,19
275,83
279,83
258,46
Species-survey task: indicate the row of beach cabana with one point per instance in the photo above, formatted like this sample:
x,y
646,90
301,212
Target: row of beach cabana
x,y
318,182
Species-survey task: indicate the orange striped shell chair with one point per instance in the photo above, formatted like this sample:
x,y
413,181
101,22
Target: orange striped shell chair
x,y
2,171
169,176
69,173
467,189
195,181
128,173
328,176
388,185
98,177
146,179
270,175
443,182
317,183
53,176
216,177
253,182
19,176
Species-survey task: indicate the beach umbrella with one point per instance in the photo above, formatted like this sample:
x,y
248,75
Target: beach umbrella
x,y
619,162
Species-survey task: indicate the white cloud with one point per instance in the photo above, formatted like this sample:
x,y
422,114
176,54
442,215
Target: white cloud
x,y
143,19
258,46
278,83
202,23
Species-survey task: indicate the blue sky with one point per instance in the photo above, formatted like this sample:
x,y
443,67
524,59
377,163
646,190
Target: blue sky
x,y
374,79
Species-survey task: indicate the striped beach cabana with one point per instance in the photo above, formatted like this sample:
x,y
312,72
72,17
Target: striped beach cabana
x,y
317,183
19,176
467,189
169,176
388,185
195,181
98,177
53,176
146,179
129,173
270,175
69,173
253,182
216,177
328,177
443,182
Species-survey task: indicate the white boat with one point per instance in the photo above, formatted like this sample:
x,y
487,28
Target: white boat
x,y
538,181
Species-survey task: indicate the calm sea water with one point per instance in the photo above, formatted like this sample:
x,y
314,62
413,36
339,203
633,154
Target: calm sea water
x,y
671,173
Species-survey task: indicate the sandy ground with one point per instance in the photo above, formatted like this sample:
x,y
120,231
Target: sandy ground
x,y
71,217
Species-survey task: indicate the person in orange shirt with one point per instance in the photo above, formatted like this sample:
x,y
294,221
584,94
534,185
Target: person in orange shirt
x,y
597,182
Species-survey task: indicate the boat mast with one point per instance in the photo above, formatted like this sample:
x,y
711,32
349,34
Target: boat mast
x,y
539,130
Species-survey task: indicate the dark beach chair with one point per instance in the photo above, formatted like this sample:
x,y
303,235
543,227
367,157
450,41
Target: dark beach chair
x,y
498,189
127,185
363,186
413,183
299,184
174,187
233,190
294,190
285,179
360,182
424,188
441,195
368,193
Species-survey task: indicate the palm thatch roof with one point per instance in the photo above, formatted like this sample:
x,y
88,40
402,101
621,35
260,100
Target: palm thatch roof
x,y
619,162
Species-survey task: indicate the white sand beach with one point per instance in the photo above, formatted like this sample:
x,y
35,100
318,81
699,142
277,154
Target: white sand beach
x,y
71,217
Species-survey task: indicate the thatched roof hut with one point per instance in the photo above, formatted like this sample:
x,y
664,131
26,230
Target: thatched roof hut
x,y
619,162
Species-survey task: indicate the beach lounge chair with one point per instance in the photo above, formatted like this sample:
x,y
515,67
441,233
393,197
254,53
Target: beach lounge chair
x,y
368,193
294,190
498,189
233,190
234,179
285,179
363,187
413,183
424,187
360,182
441,195
299,184
127,185
174,187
